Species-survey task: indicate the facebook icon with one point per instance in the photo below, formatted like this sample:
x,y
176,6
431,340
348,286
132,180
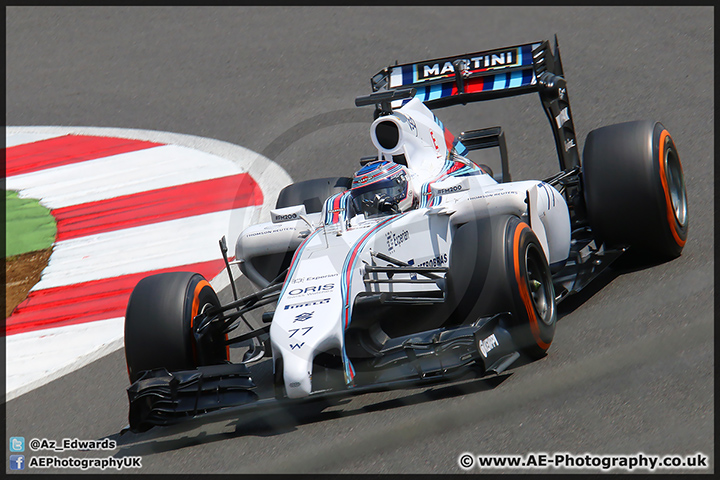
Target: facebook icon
x,y
17,462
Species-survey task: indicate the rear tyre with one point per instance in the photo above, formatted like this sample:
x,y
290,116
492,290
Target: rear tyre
x,y
635,189
159,321
312,193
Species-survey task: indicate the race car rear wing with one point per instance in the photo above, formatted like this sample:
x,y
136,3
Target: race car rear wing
x,y
503,72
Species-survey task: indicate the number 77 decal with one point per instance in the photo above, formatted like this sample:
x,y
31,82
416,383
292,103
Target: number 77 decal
x,y
295,330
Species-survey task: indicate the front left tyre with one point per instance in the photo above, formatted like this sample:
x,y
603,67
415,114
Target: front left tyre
x,y
497,264
533,294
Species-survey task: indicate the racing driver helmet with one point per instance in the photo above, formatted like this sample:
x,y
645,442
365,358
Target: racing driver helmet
x,y
382,188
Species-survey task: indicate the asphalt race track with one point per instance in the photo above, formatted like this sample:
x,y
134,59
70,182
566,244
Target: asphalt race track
x,y
631,366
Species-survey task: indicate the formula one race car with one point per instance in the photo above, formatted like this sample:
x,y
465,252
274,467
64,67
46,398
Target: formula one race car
x,y
423,265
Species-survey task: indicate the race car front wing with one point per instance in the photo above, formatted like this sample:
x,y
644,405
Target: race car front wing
x,y
161,397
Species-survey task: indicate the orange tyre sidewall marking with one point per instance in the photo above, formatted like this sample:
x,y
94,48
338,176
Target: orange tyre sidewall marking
x,y
522,286
666,190
194,312
196,299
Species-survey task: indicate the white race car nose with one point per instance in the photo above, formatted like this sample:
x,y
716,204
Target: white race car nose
x,y
298,375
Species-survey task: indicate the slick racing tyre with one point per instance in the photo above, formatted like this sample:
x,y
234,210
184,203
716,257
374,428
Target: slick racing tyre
x,y
312,193
533,294
634,188
159,321
498,265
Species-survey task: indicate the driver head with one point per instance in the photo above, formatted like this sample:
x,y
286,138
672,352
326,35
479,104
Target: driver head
x,y
382,188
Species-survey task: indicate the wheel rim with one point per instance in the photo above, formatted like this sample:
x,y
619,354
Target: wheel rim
x,y
538,284
676,186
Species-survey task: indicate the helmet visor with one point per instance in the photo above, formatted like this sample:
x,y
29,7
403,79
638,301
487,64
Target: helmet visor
x,y
381,197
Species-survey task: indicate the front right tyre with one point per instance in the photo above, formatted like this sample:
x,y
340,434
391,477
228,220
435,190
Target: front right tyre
x,y
159,323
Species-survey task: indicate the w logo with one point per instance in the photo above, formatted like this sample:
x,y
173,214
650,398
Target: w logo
x,y
293,346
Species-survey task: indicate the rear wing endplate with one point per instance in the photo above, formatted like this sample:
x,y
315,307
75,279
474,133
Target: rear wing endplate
x,y
479,76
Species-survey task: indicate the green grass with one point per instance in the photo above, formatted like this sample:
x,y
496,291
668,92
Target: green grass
x,y
28,225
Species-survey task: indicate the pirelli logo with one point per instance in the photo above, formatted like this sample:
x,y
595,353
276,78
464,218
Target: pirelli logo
x,y
307,304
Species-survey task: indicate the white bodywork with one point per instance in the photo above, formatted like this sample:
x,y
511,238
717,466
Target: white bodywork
x,y
331,251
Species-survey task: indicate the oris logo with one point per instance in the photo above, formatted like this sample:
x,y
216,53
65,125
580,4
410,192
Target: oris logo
x,y
453,189
312,290
394,240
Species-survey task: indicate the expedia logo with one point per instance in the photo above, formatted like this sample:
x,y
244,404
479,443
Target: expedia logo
x,y
446,191
289,216
444,68
394,240
312,290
